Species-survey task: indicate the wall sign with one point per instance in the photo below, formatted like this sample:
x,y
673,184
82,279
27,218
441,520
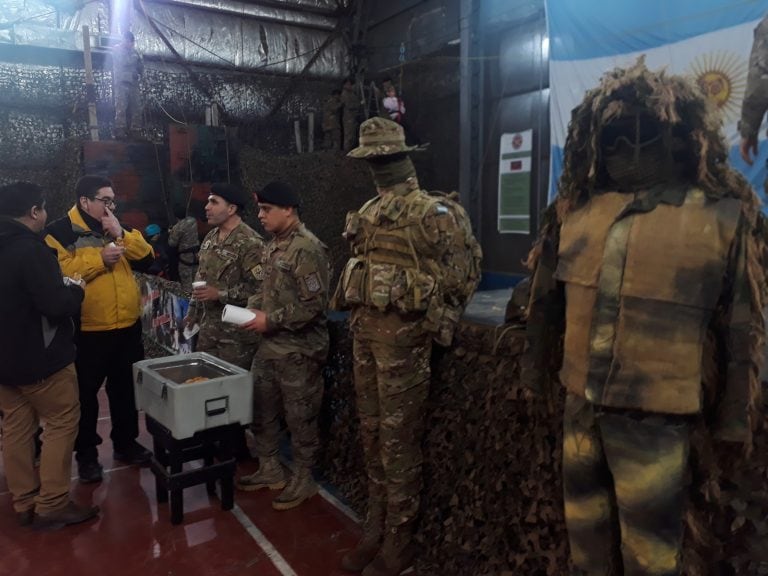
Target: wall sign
x,y
514,207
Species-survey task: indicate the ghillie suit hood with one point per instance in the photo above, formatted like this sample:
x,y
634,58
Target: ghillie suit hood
x,y
692,129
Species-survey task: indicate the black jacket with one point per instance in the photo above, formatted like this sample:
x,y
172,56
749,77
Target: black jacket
x,y
36,308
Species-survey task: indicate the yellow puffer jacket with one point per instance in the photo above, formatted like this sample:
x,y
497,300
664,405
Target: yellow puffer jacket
x,y
112,298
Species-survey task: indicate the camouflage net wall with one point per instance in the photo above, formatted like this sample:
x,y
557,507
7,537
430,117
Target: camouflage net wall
x,y
492,502
43,110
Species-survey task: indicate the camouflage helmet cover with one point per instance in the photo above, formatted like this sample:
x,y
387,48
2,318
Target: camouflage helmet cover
x,y
380,137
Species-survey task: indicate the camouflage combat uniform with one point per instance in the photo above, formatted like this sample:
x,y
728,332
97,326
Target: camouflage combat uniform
x,y
231,266
183,236
127,70
350,99
654,286
755,101
398,286
287,366
331,123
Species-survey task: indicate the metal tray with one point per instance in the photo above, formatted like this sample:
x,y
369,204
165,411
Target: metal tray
x,y
180,371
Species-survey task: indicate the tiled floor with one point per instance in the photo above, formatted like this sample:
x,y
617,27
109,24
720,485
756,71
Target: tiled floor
x,y
134,536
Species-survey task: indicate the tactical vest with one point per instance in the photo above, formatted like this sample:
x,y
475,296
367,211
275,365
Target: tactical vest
x,y
393,264
641,290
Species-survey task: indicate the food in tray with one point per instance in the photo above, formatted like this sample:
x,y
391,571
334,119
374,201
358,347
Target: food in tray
x,y
195,379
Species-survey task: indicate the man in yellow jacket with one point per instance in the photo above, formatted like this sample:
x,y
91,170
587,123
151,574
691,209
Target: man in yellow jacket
x,y
93,245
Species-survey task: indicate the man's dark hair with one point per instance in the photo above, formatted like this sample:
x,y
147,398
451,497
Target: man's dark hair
x,y
18,198
128,36
89,184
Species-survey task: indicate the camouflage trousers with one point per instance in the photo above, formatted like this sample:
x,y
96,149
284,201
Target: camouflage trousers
x,y
624,477
225,347
292,386
187,276
332,139
127,109
391,384
350,126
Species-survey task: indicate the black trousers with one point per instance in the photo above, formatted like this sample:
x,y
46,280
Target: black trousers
x,y
109,356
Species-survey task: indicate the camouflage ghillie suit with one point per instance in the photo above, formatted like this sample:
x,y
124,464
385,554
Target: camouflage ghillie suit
x,y
183,236
231,266
646,294
332,122
287,367
403,294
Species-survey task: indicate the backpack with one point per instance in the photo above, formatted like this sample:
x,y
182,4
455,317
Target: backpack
x,y
462,274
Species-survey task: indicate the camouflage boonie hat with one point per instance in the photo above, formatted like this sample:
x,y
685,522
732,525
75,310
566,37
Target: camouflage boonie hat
x,y
380,137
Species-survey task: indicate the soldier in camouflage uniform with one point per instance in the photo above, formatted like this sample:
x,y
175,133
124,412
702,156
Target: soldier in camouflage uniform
x,y
755,101
184,238
649,266
291,316
331,121
350,100
230,256
395,286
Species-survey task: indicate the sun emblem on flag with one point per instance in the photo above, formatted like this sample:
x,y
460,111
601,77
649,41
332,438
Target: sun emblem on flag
x,y
722,76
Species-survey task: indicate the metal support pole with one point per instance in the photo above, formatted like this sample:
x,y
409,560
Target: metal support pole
x,y
470,114
90,87
297,134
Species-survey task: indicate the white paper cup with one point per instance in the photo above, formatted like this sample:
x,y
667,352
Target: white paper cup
x,y
236,314
199,284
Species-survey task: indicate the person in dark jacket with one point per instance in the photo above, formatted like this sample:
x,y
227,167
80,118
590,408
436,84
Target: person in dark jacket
x,y
37,354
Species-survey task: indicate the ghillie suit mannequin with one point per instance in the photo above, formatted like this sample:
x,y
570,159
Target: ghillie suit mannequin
x,y
647,297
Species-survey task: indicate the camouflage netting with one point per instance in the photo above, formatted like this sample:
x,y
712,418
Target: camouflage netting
x,y
492,502
42,110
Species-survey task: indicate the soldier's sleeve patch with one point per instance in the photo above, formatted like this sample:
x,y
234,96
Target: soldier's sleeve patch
x,y
312,282
258,272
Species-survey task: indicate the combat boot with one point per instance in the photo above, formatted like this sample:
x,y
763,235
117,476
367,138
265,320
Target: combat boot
x,y
373,531
269,475
397,552
300,487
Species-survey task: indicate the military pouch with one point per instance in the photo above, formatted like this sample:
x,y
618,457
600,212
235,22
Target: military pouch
x,y
381,280
413,292
352,225
353,282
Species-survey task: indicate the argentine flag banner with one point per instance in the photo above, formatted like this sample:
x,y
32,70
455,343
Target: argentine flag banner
x,y
706,40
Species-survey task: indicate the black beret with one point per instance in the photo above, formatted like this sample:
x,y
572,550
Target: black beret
x,y
231,194
279,194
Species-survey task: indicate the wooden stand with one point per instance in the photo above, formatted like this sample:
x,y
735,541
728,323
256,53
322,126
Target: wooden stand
x,y
170,454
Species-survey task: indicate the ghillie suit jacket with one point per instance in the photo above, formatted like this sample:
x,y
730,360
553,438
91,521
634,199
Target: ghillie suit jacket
x,y
718,345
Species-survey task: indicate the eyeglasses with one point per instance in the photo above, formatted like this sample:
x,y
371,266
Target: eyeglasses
x,y
108,202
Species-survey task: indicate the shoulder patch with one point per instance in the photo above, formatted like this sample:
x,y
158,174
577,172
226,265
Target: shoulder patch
x,y
258,272
312,282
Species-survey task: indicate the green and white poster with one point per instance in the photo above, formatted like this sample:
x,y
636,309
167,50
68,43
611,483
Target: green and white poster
x,y
515,183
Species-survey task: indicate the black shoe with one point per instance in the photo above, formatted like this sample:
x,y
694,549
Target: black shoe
x,y
90,472
25,518
71,514
133,453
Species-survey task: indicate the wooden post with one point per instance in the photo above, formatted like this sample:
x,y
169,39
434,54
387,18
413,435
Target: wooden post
x,y
297,133
90,87
311,133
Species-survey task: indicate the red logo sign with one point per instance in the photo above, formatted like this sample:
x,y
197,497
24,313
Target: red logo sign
x,y
517,141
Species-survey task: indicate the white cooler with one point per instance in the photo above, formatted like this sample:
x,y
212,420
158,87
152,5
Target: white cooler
x,y
162,390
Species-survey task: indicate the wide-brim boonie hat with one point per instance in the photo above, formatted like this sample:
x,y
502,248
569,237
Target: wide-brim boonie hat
x,y
380,137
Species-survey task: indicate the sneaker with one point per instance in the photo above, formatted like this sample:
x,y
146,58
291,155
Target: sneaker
x,y
133,453
70,514
90,472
